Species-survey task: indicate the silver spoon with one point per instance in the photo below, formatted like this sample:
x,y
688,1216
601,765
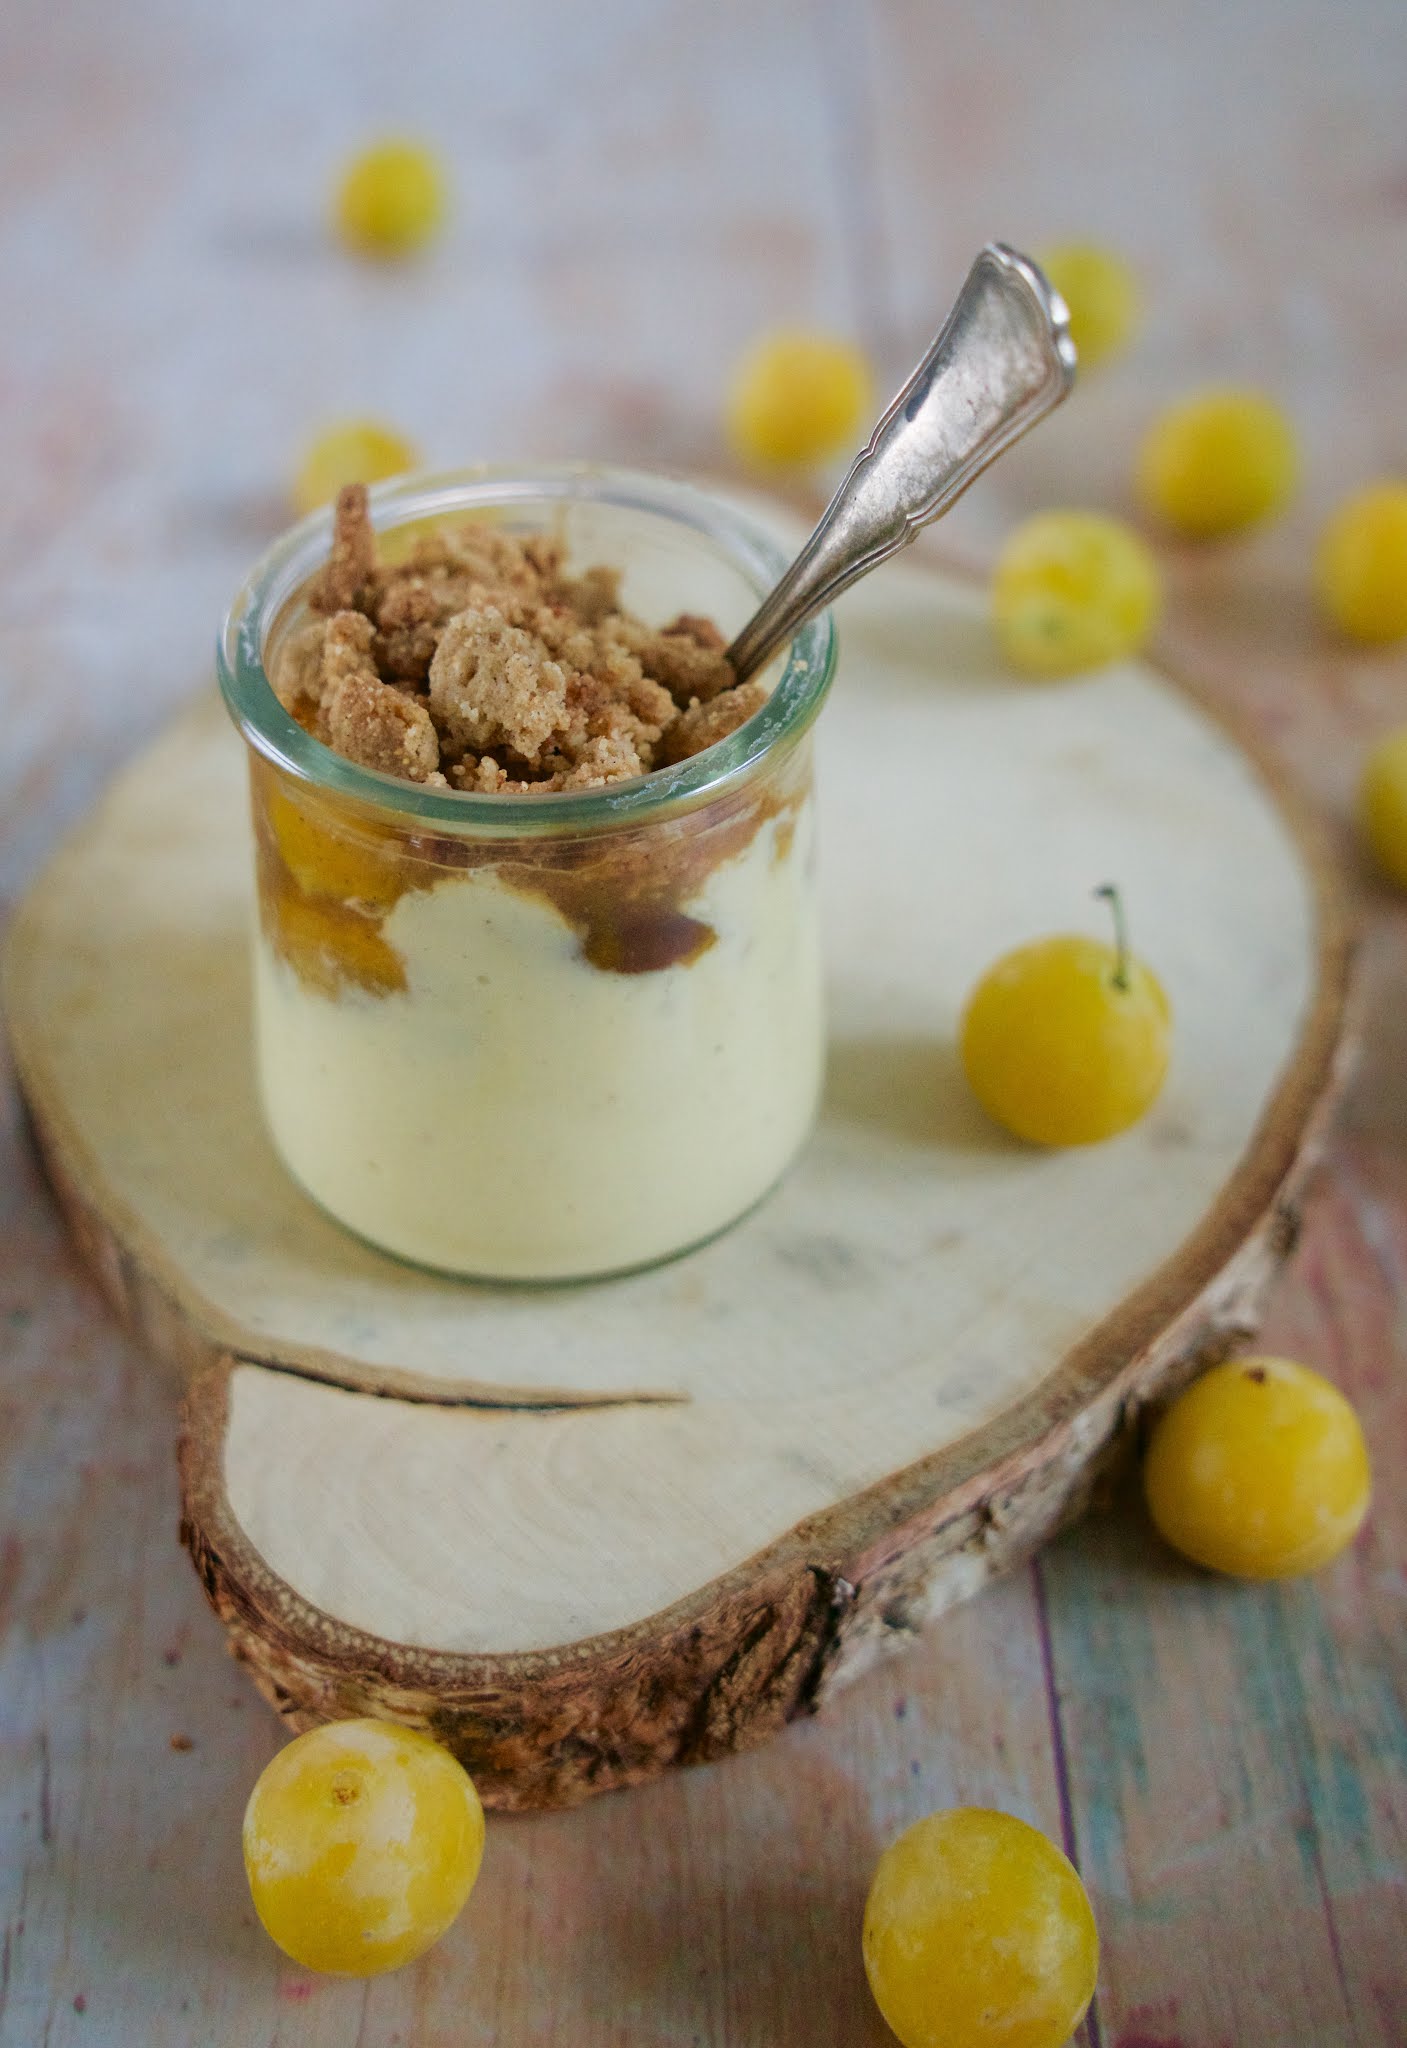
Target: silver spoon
x,y
1003,360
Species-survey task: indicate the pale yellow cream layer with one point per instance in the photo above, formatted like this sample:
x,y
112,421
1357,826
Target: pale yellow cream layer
x,y
520,1114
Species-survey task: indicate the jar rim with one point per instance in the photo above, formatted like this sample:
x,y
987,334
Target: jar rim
x,y
791,705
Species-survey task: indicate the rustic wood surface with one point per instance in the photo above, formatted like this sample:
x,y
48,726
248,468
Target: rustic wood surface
x,y
892,1381
643,187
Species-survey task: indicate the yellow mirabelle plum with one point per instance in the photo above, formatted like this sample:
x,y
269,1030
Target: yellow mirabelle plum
x,y
1066,1041
1101,294
349,452
1361,565
1071,591
1217,462
1259,1469
797,398
362,1841
979,1934
1382,805
390,198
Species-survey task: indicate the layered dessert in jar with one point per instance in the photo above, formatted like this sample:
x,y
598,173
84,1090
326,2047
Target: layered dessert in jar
x,y
537,981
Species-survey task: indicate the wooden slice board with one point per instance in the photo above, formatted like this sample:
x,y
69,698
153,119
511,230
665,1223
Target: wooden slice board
x,y
596,1531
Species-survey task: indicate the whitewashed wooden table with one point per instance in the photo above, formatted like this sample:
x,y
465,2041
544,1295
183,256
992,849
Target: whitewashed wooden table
x,y
641,187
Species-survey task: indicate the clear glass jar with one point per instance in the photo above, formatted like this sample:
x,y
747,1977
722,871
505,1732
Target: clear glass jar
x,y
540,1037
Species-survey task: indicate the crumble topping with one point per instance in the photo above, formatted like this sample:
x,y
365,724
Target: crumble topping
x,y
477,663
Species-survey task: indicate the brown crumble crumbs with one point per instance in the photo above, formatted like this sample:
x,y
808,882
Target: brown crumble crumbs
x,y
477,663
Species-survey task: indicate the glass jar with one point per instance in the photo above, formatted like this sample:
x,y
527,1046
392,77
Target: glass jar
x,y
539,1037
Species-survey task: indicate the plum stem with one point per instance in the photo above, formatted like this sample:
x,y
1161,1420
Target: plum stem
x,y
1111,896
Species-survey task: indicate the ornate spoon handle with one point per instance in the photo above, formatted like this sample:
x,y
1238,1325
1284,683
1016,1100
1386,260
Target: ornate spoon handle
x,y
1003,360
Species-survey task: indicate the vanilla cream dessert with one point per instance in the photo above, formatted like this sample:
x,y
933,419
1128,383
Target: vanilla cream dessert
x,y
530,1053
